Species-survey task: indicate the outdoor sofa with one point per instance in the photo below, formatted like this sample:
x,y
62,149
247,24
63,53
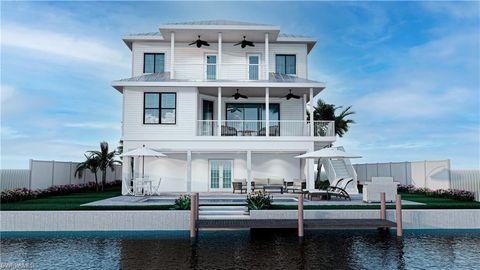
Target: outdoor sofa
x,y
372,189
269,184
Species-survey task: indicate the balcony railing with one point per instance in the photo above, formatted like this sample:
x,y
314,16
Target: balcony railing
x,y
211,72
258,128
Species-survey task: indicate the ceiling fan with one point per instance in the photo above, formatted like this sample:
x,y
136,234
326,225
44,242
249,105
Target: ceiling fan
x,y
238,95
244,43
290,95
199,43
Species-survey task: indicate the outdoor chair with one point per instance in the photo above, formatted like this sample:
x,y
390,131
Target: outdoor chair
x,y
229,131
295,186
128,188
340,191
155,187
239,184
372,189
260,183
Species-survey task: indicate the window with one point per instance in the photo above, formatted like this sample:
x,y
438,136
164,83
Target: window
x,y
286,64
153,63
211,67
160,108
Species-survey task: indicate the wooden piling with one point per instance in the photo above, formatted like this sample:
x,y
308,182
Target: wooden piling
x,y
193,215
383,210
398,214
300,215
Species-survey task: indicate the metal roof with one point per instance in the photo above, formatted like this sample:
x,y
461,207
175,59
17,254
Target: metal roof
x,y
217,22
158,34
165,77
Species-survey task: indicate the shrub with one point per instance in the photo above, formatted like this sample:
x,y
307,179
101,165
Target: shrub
x,y
182,202
322,184
21,194
258,200
454,194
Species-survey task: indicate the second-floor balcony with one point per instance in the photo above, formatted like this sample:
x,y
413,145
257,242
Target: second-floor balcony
x,y
212,72
258,128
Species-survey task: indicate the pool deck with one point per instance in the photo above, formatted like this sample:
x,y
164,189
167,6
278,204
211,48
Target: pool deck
x,y
230,199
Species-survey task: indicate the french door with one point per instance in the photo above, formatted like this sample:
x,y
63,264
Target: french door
x,y
220,175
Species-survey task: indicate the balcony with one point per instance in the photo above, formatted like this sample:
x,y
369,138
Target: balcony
x,y
213,72
257,128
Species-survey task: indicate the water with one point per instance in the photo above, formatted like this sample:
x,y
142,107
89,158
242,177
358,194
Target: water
x,y
243,250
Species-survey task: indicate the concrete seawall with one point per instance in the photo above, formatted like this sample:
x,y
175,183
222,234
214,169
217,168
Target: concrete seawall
x,y
180,220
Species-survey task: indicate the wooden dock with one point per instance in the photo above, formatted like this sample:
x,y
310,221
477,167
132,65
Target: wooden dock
x,y
293,224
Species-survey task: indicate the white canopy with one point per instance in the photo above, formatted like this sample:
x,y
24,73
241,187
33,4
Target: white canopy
x,y
143,152
328,153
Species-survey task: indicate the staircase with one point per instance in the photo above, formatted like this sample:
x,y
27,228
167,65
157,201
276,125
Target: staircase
x,y
341,168
223,212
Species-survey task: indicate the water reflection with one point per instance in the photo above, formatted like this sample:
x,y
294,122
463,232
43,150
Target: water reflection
x,y
261,249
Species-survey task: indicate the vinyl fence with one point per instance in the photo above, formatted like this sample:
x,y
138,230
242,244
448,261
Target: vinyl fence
x,y
432,174
44,174
466,180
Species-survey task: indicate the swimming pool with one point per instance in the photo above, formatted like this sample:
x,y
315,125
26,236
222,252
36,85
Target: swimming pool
x,y
244,250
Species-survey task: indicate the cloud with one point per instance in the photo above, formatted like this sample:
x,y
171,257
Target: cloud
x,y
64,45
457,9
7,132
93,125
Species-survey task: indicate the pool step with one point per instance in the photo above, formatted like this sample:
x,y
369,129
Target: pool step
x,y
223,212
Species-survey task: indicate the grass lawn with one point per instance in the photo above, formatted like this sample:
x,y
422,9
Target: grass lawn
x,y
73,202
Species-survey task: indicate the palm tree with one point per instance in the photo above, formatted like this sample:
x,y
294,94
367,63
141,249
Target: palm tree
x,y
106,160
324,111
91,163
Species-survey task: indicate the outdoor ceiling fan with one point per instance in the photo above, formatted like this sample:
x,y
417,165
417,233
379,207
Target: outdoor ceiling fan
x,y
238,95
244,43
199,43
290,95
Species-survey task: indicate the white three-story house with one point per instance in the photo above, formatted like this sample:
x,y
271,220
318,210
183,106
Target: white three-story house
x,y
219,108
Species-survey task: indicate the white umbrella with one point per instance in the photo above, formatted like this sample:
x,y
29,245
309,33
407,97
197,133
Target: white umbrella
x,y
328,153
143,152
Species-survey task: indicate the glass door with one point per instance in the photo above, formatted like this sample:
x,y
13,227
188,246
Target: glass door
x,y
211,67
220,175
253,66
207,125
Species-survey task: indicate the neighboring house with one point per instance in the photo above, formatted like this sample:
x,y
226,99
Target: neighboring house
x,y
181,100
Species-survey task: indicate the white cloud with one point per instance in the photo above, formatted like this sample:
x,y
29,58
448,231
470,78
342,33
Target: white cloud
x,y
458,9
93,125
7,132
61,44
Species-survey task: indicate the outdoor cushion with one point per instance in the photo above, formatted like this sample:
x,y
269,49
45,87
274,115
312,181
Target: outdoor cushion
x,y
275,181
260,181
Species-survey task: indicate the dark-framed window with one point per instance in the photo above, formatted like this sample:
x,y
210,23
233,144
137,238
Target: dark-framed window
x,y
286,64
153,62
160,108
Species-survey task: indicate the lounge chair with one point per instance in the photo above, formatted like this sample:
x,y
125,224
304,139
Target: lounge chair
x,y
340,191
239,184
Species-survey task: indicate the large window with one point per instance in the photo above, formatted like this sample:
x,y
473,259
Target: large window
x,y
153,63
286,64
160,108
211,67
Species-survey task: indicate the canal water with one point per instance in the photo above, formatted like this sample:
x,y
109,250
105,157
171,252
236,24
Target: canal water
x,y
269,249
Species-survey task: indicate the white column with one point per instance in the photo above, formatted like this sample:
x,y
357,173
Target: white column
x,y
126,174
249,171
219,112
189,171
219,62
310,173
172,55
267,111
305,109
312,123
267,61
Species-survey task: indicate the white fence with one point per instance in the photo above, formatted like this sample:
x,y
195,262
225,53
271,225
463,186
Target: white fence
x,y
433,174
466,180
44,174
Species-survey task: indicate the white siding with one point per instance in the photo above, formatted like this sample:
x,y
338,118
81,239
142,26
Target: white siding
x,y
190,60
186,114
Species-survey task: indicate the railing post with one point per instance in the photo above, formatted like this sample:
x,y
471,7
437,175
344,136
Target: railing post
x,y
193,215
383,211
300,215
398,214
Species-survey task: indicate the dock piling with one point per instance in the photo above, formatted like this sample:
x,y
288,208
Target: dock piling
x,y
193,215
398,215
300,216
383,211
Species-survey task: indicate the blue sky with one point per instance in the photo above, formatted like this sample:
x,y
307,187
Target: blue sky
x,y
410,70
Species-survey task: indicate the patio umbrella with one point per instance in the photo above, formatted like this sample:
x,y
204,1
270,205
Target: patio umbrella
x,y
143,152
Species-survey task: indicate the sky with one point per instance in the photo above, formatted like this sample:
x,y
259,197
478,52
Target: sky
x,y
410,70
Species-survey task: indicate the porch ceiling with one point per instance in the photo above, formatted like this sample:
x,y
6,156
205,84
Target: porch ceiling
x,y
277,92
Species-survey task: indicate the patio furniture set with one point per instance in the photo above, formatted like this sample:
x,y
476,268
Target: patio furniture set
x,y
269,184
144,186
